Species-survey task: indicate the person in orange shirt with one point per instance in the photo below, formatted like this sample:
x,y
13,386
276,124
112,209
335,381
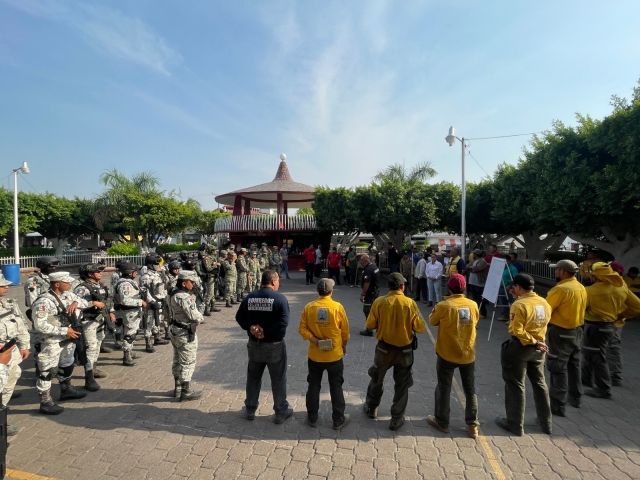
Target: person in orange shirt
x,y
325,325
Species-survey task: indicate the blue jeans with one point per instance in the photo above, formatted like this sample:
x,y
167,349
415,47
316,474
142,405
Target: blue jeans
x,y
434,290
285,268
274,357
394,267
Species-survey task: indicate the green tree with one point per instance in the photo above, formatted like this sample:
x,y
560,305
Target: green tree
x,y
306,211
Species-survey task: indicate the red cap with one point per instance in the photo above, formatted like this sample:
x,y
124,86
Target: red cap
x,y
457,282
617,267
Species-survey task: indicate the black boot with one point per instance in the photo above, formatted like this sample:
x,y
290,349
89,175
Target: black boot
x,y
215,309
228,304
67,392
117,341
47,405
177,390
90,382
166,334
104,349
188,394
150,348
127,359
158,340
207,311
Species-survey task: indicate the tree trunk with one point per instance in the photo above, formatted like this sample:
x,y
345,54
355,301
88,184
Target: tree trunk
x,y
536,246
625,251
58,244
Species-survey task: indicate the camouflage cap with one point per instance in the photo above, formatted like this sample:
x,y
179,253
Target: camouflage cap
x,y
253,252
64,277
188,275
223,252
233,254
4,282
243,250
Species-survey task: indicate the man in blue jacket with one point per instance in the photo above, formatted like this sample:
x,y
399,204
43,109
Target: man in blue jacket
x,y
264,314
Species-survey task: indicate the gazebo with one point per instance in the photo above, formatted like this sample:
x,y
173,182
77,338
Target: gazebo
x,y
297,231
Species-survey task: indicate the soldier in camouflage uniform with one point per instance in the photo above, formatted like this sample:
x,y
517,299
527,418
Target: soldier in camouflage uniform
x,y
152,291
253,274
95,318
184,321
264,249
171,280
12,325
198,288
275,260
253,248
242,270
52,315
128,306
263,262
211,267
230,278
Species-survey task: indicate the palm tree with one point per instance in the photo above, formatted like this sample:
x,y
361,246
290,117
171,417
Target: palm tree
x,y
397,173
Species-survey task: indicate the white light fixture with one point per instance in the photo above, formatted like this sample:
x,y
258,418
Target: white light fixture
x,y
283,157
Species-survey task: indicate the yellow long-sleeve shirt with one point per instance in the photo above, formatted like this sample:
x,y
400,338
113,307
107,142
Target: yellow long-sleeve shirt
x,y
530,315
395,317
606,303
456,317
632,283
568,300
325,319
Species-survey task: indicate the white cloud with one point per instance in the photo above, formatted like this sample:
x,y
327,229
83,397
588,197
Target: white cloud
x,y
108,31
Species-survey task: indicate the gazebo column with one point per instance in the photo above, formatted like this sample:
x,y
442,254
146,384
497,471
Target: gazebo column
x,y
247,206
286,208
237,206
279,206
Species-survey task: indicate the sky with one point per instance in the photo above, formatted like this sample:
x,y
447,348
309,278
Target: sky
x,y
208,94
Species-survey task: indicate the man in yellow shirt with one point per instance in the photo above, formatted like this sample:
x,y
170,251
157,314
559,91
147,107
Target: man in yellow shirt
x,y
568,300
324,323
608,301
592,257
456,318
396,318
523,356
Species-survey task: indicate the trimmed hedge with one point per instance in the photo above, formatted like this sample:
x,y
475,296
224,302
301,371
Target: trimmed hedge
x,y
123,249
177,247
27,251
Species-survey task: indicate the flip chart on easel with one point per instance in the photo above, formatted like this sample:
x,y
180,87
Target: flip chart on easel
x,y
494,280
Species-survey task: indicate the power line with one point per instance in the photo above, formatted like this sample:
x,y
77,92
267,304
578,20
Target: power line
x,y
504,136
24,178
469,152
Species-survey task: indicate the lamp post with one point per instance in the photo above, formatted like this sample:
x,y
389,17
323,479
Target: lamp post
x,y
16,237
451,139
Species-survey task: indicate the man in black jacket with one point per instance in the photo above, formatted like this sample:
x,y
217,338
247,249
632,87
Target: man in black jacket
x,y
264,314
393,257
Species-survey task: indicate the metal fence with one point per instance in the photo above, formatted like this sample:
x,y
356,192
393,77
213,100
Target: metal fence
x,y
265,223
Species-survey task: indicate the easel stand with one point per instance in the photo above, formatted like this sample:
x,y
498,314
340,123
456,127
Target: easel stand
x,y
498,304
492,292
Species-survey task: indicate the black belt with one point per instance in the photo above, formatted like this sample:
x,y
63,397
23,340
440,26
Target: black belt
x,y
255,340
181,325
390,346
125,307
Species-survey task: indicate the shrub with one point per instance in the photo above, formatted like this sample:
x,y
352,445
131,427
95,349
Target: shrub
x,y
27,251
123,249
362,244
176,247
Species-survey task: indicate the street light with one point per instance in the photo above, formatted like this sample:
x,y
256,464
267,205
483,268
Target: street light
x,y
16,238
451,140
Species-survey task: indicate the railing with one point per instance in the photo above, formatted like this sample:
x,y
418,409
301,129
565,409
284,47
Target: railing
x,y
541,269
266,223
110,261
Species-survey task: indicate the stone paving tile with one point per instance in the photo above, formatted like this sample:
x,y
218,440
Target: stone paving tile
x,y
133,429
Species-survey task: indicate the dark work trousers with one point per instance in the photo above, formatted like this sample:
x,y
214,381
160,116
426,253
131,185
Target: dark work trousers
x,y
401,360
335,372
274,357
318,270
520,361
597,336
445,370
421,286
369,298
335,272
309,266
614,355
475,292
563,363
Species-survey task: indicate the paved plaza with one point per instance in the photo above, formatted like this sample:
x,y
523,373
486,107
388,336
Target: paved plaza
x,y
132,429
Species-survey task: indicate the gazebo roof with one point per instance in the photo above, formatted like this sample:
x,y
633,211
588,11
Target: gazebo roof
x,y
266,194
